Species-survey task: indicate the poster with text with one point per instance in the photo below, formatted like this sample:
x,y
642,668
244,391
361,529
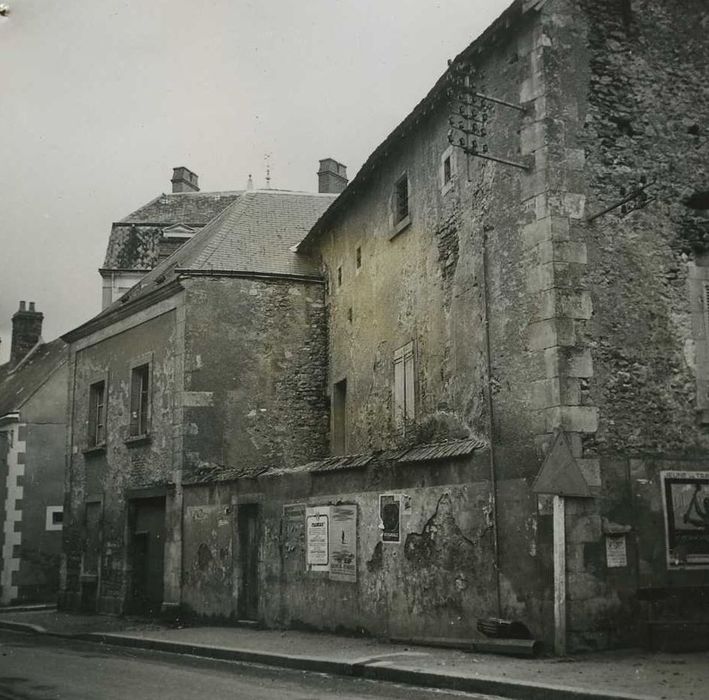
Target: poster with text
x,y
343,543
390,517
317,529
685,498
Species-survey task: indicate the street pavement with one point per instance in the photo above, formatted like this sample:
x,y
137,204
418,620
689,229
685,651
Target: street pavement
x,y
600,676
35,667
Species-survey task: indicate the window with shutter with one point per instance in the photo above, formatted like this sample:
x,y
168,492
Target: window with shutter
x,y
97,414
404,387
140,401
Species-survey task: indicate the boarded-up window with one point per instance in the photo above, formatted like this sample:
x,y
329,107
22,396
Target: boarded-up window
x,y
140,400
97,414
404,386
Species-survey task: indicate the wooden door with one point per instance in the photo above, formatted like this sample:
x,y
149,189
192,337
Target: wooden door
x,y
248,528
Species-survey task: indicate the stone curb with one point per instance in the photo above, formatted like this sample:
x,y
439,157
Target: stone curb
x,y
364,669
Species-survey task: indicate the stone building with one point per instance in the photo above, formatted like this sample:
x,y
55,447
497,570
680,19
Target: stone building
x,y
214,359
151,233
507,315
32,445
525,256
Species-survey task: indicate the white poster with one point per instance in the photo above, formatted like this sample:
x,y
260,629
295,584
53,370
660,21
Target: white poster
x,y
616,551
317,528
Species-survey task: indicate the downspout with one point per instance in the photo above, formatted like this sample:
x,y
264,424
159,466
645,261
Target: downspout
x,y
490,426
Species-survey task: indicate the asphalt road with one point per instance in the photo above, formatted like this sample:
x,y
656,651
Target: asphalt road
x,y
43,668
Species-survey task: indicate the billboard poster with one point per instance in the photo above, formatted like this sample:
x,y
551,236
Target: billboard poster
x,y
343,543
317,528
390,517
685,498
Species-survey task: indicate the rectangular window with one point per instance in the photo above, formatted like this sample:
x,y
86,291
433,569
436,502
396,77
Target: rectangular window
x,y
401,199
140,400
339,276
54,519
447,170
97,414
339,405
358,257
404,387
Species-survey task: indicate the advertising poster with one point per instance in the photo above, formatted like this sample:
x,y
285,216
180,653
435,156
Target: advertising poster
x,y
686,504
390,517
343,543
616,551
317,529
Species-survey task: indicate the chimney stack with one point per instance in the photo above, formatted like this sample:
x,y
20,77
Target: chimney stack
x,y
332,176
184,180
26,332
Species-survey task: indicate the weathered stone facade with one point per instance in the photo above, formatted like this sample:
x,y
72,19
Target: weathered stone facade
x,y
236,367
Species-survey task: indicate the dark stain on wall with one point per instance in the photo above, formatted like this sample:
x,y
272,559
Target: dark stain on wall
x,y
441,543
376,562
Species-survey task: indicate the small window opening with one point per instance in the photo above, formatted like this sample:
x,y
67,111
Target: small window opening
x,y
358,257
447,171
57,517
339,276
349,314
402,199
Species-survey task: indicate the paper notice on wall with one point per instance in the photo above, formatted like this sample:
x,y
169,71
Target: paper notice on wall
x,y
390,517
343,543
616,551
317,528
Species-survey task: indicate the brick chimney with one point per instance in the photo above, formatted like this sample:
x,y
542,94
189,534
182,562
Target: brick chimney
x,y
184,180
26,332
332,176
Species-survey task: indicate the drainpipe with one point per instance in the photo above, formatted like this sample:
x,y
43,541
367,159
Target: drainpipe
x,y
490,426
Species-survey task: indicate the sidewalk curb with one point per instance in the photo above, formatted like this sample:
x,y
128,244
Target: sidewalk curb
x,y
428,679
22,627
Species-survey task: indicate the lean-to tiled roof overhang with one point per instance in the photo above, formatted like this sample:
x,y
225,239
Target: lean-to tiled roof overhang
x,y
19,384
253,237
493,35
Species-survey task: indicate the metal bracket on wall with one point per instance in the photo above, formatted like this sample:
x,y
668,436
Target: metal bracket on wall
x,y
469,114
637,198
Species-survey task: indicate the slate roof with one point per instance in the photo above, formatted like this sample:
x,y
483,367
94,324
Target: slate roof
x,y
191,208
254,235
135,241
19,384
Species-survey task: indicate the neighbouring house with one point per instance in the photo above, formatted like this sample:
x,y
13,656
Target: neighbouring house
x,y
33,386
483,394
150,234
214,360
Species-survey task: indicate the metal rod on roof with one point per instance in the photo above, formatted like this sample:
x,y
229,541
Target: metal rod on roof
x,y
498,101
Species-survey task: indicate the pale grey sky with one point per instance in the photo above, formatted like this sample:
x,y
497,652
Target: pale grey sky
x,y
99,99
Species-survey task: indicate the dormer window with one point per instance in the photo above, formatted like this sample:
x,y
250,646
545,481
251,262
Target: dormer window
x,y
178,231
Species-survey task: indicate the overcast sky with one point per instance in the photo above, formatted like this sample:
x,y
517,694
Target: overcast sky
x,y
99,99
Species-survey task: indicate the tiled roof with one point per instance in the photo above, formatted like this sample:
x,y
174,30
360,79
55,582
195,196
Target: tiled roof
x,y
431,452
135,241
254,235
16,386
